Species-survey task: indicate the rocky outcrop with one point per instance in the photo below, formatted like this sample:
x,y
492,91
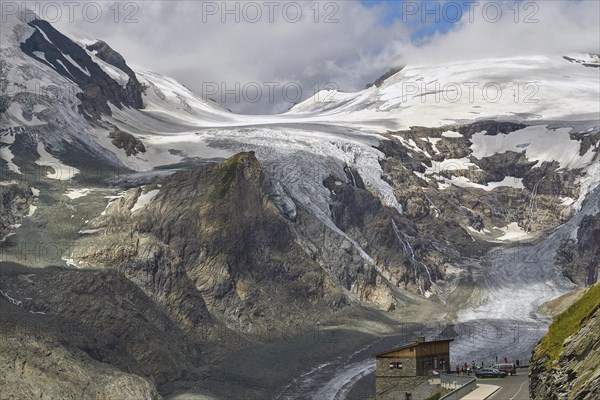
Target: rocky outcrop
x,y
564,364
420,166
98,88
580,257
39,368
84,334
211,239
499,165
106,316
127,142
395,243
379,81
134,87
15,200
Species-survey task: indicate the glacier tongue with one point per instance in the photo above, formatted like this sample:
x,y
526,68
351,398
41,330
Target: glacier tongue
x,y
516,281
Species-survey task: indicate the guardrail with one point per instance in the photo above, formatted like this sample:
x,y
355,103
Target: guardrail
x,y
449,381
462,385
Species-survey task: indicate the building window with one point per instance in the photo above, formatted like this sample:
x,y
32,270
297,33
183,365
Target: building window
x,y
395,365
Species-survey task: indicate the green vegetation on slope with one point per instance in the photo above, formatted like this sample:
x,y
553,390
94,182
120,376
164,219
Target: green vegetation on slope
x,y
225,175
568,323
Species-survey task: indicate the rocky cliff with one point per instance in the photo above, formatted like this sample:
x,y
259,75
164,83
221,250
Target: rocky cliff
x,y
211,242
564,365
580,256
84,335
49,46
15,201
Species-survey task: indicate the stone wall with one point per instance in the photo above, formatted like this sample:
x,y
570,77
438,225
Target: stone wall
x,y
409,367
397,388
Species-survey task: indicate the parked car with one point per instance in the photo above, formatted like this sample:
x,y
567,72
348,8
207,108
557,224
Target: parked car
x,y
490,373
510,369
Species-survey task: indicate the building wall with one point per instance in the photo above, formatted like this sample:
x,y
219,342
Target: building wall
x,y
388,387
395,380
417,363
397,388
421,366
409,367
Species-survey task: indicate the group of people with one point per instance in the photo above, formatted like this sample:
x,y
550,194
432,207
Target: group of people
x,y
465,369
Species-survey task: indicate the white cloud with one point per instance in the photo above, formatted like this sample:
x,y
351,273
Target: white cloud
x,y
180,39
542,27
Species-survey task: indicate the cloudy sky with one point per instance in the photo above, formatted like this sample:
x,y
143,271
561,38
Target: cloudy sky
x,y
269,54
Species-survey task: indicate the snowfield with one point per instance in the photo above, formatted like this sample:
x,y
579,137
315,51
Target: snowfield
x,y
544,87
540,144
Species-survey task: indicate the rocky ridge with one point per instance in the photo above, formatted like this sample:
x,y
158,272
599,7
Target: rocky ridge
x,y
580,256
49,46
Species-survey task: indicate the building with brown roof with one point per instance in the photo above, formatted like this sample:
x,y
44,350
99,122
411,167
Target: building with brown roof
x,y
402,370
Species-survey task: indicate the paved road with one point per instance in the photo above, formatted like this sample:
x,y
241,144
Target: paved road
x,y
511,388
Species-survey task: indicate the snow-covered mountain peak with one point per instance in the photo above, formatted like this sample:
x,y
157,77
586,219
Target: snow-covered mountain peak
x,y
525,88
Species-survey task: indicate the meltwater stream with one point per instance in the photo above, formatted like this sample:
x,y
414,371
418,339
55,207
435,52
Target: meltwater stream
x,y
514,282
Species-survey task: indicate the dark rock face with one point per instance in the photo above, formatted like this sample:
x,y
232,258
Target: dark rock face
x,y
107,54
386,237
501,164
88,334
585,64
580,258
15,200
98,87
153,267
127,142
379,81
588,140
